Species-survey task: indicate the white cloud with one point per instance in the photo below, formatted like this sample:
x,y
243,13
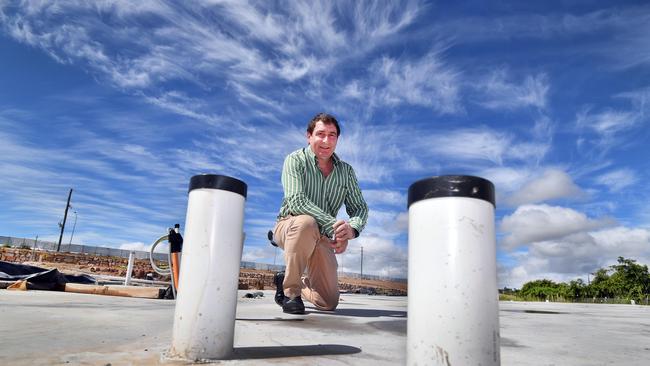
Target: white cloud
x,y
609,127
506,179
381,256
552,184
529,151
375,20
402,222
622,31
160,248
468,144
640,100
251,154
425,82
384,197
576,255
353,90
183,105
623,241
536,223
617,180
263,254
258,44
386,224
607,123
258,24
497,92
371,162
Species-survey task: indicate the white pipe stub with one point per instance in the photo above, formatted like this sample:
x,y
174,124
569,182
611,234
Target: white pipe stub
x,y
453,314
204,317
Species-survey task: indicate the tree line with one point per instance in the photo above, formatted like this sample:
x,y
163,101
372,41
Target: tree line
x,y
626,281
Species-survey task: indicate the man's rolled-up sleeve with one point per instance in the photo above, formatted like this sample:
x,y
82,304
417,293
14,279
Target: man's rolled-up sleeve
x,y
355,205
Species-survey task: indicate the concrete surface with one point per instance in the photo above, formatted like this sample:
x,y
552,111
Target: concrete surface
x,y
53,328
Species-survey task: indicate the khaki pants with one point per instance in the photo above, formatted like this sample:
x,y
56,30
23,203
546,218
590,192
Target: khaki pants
x,y
305,248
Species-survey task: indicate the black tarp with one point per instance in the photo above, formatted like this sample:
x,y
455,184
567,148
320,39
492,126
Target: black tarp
x,y
40,278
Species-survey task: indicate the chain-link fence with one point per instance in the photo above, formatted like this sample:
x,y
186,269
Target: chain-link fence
x,y
76,248
140,254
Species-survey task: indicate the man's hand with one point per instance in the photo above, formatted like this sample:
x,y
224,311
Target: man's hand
x,y
339,246
343,230
342,233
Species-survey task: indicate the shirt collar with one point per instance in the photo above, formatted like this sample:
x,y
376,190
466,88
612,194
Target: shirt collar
x,y
312,156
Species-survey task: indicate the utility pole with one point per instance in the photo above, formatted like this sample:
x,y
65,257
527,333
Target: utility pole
x,y
65,217
362,262
34,248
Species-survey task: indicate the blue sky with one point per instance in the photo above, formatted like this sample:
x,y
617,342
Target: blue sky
x,y
124,101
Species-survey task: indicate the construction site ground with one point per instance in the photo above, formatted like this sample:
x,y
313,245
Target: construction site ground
x,y
60,328
251,279
63,328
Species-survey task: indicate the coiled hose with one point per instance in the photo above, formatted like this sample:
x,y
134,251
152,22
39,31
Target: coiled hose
x,y
163,271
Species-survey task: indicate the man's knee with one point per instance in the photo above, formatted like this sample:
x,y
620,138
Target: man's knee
x,y
328,301
305,224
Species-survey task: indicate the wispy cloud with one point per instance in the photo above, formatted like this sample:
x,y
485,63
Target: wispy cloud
x,y
605,129
426,82
179,103
617,180
469,144
376,20
186,44
607,123
498,92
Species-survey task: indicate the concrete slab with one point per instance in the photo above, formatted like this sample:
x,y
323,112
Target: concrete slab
x,y
574,334
52,328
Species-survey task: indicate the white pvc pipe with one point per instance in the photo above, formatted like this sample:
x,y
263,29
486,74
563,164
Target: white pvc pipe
x,y
204,318
129,269
453,315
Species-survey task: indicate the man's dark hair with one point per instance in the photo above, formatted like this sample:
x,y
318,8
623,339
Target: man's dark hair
x,y
327,119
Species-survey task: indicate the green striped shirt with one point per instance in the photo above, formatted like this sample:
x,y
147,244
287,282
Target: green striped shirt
x,y
308,192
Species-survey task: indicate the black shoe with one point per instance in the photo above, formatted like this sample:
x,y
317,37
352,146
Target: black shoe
x,y
269,235
293,306
278,278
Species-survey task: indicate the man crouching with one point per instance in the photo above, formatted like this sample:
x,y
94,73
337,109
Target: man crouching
x,y
316,184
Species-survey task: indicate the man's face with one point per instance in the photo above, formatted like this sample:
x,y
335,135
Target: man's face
x,y
323,140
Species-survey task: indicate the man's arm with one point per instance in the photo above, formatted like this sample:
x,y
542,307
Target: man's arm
x,y
293,178
355,205
357,210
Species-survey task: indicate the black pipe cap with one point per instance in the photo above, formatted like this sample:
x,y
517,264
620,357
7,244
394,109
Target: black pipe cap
x,y
222,182
451,186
